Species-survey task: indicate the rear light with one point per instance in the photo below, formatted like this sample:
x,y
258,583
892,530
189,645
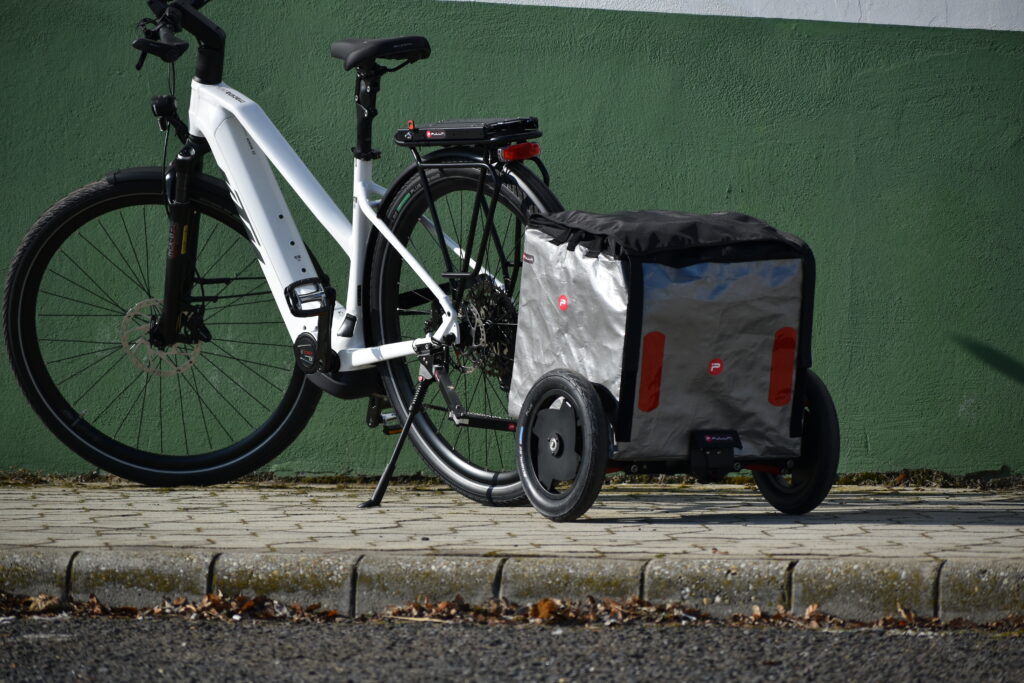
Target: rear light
x,y
524,150
780,387
652,360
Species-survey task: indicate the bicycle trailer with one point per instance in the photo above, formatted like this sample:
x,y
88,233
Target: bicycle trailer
x,y
691,333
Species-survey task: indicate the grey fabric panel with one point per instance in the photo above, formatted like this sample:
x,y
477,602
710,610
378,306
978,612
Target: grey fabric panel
x,y
587,337
727,311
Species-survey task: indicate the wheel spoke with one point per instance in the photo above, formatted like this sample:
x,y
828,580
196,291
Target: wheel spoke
x,y
240,360
138,261
79,301
79,355
97,381
204,409
145,230
247,365
238,384
102,296
252,343
181,406
229,403
130,277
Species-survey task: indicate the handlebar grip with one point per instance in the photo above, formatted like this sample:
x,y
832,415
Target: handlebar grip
x,y
168,37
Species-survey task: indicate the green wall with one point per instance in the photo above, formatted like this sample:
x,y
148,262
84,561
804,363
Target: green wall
x,y
897,153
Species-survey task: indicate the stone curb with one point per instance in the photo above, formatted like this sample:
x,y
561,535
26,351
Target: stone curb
x,y
385,580
526,580
719,587
305,579
866,589
851,588
136,578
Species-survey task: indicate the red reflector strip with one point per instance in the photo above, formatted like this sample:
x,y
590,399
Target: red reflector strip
x,y
524,150
780,389
650,371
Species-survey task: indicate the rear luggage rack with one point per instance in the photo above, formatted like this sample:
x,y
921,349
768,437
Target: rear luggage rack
x,y
485,132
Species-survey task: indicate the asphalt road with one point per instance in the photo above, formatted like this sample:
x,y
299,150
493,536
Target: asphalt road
x,y
47,649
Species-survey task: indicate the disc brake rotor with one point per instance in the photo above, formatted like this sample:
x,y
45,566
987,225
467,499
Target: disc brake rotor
x,y
488,318
167,362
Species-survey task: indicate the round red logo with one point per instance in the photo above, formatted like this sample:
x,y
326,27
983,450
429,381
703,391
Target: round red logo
x,y
563,302
716,366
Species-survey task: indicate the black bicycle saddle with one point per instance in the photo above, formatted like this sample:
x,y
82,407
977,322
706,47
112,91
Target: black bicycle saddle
x,y
357,51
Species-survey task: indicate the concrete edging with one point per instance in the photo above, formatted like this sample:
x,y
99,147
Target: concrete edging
x,y
851,588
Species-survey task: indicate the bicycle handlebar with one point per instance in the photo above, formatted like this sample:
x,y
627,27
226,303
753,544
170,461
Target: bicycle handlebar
x,y
183,15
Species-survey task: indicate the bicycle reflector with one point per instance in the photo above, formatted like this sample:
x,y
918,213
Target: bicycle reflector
x,y
524,150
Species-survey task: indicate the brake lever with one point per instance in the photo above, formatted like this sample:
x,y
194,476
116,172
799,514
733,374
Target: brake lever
x,y
166,52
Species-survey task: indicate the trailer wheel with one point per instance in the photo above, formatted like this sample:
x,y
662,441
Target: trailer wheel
x,y
563,445
814,472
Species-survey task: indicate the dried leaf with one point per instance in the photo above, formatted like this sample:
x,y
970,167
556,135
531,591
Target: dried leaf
x,y
906,614
811,609
756,611
544,609
42,603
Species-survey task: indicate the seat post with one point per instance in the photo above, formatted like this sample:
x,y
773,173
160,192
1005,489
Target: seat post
x,y
367,87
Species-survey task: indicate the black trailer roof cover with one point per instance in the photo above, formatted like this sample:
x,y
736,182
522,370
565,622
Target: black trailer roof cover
x,y
648,234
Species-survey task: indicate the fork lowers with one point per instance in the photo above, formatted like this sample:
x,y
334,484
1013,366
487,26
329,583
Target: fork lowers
x,y
182,244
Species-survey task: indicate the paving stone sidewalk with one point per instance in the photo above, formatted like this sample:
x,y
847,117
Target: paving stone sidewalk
x,y
864,553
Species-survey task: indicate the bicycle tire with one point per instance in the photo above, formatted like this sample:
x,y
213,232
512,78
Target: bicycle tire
x,y
563,445
814,471
479,464
83,287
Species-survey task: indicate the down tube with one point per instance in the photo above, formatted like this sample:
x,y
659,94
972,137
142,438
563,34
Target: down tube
x,y
279,247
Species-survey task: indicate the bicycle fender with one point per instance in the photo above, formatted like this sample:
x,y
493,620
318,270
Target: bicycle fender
x,y
156,173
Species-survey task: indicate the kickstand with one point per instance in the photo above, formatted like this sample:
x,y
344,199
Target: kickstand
x,y
385,477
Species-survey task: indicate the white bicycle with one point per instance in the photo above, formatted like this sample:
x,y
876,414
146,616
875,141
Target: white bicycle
x,y
155,354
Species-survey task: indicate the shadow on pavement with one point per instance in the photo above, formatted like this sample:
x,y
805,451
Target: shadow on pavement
x,y
854,508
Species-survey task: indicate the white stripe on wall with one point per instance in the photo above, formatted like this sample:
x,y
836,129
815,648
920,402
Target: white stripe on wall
x,y
996,15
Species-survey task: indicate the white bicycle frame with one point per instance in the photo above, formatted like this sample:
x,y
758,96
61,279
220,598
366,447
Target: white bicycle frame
x,y
245,143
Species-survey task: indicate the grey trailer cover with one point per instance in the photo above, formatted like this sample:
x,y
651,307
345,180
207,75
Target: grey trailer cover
x,y
689,323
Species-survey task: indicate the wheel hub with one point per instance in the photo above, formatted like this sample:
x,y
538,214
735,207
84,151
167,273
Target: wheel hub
x,y
168,361
557,458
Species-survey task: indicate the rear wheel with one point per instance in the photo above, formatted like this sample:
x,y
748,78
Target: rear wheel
x,y
814,471
81,295
478,463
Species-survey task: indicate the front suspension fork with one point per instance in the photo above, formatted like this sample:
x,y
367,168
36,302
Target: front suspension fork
x,y
182,244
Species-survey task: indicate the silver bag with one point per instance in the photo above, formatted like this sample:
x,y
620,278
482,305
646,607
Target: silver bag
x,y
693,327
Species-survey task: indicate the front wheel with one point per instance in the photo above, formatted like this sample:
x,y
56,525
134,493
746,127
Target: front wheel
x,y
83,291
478,463
812,477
